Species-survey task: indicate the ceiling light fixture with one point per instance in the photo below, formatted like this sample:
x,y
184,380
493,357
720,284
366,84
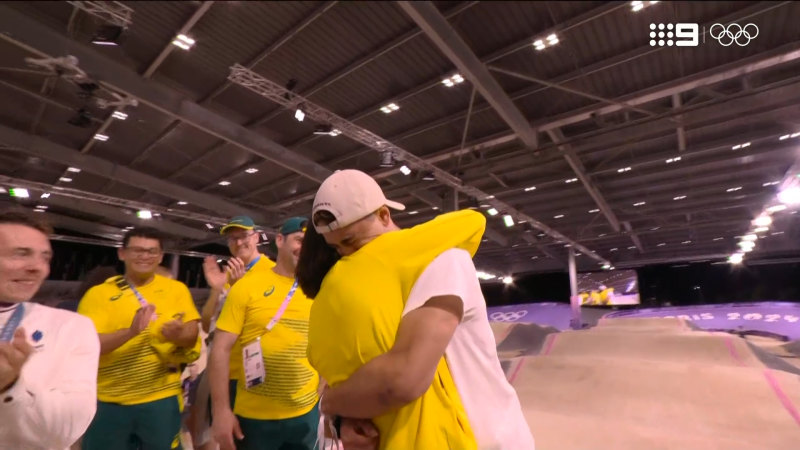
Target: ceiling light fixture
x,y
771,183
388,109
508,280
19,193
411,213
492,212
100,137
736,258
541,44
531,188
594,211
560,216
789,196
640,204
299,114
144,214
44,194
761,230
119,115
251,170
452,81
763,221
624,169
387,159
182,203
672,160
107,35
571,180
65,179
740,146
405,170
776,208
73,170
224,183
184,42
734,189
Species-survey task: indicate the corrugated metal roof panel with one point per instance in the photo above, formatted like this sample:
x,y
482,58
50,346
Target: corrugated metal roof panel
x,y
231,33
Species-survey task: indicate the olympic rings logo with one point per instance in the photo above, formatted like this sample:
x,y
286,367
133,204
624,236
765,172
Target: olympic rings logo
x,y
507,317
726,36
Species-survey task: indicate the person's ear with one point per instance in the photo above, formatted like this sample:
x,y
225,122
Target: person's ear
x,y
279,240
384,216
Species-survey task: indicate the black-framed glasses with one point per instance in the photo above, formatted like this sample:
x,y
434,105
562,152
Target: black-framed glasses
x,y
141,251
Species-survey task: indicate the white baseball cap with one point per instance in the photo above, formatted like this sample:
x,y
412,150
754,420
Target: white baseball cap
x,y
350,195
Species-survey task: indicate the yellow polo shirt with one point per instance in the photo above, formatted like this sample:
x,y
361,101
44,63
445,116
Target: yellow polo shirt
x,y
290,386
358,310
134,373
235,364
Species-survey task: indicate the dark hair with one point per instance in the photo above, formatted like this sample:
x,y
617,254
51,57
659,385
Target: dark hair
x,y
323,217
316,260
20,217
147,233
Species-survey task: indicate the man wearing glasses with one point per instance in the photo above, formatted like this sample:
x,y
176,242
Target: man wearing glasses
x,y
267,314
242,239
148,327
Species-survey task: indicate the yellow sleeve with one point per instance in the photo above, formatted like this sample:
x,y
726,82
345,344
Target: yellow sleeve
x,y
186,303
90,306
460,229
231,318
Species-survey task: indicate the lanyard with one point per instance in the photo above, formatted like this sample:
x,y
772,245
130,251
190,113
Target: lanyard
x,y
282,309
13,322
142,301
252,263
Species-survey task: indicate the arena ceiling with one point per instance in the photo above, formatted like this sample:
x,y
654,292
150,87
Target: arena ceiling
x,y
561,115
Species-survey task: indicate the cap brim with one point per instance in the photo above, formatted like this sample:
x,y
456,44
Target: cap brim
x,y
233,225
395,205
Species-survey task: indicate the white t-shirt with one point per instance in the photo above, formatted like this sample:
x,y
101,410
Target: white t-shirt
x,y
491,403
55,397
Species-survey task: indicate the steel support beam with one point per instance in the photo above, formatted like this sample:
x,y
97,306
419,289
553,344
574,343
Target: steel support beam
x,y
36,37
580,171
433,200
782,55
169,48
37,146
84,226
581,19
436,27
636,241
117,214
676,104
577,92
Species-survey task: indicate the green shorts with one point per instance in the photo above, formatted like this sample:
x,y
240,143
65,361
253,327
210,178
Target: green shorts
x,y
297,433
147,426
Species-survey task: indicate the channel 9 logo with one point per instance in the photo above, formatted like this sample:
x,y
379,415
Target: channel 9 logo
x,y
679,35
688,34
